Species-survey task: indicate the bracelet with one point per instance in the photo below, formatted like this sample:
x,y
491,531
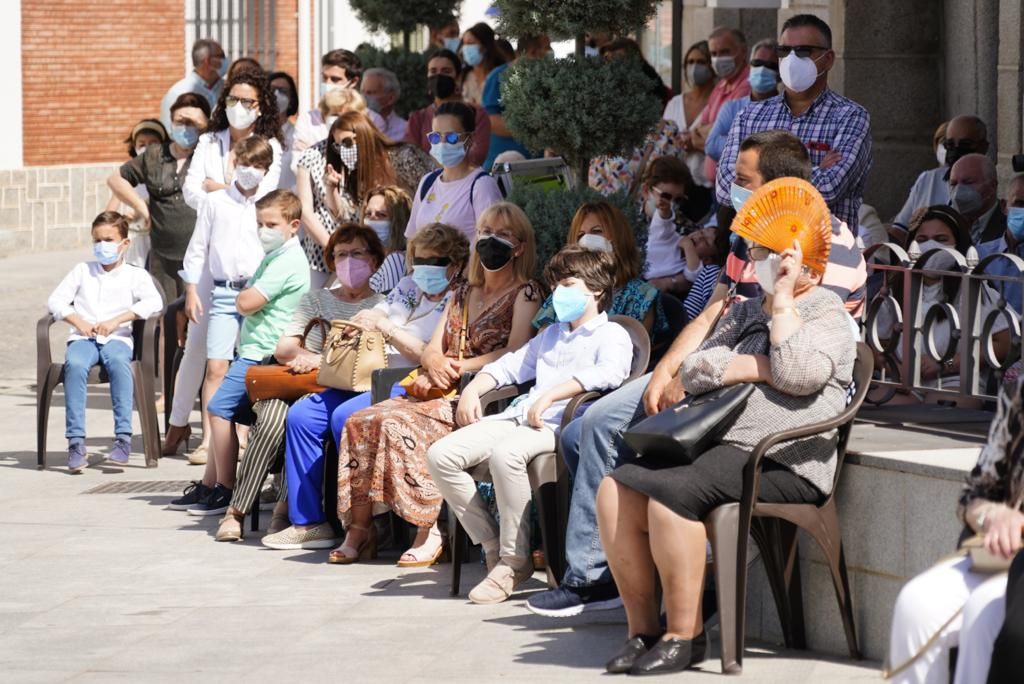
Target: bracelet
x,y
785,310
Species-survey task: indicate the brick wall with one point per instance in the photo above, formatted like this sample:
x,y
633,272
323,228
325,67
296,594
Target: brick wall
x,y
286,37
90,71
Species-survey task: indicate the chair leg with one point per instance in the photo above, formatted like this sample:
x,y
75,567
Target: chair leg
x,y
829,538
254,513
730,584
145,404
44,397
458,544
546,501
331,484
172,361
777,540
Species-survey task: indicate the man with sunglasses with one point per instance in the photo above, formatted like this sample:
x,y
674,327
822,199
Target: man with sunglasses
x,y
835,129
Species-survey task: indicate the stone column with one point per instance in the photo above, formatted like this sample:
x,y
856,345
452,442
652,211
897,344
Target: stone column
x,y
970,47
756,18
1009,136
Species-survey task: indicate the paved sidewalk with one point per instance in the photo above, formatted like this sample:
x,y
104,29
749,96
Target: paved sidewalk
x,y
113,587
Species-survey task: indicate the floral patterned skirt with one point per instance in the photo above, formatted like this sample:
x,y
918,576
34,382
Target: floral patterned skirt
x,y
382,458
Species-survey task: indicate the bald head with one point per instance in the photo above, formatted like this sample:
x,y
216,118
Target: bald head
x,y
965,135
973,173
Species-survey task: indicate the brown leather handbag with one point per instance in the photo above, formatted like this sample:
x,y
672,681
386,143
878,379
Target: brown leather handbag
x,y
350,355
275,381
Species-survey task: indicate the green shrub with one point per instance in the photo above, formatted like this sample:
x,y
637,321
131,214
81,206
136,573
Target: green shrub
x,y
409,67
562,19
402,16
551,212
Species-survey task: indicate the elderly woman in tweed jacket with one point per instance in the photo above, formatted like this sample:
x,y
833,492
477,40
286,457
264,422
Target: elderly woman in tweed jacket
x,y
796,345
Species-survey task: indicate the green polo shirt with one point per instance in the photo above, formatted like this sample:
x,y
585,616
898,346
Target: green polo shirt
x,y
283,277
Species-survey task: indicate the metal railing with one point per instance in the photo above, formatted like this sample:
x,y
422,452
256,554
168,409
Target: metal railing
x,y
244,28
905,326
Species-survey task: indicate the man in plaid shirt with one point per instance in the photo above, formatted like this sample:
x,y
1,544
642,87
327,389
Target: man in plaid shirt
x,y
835,130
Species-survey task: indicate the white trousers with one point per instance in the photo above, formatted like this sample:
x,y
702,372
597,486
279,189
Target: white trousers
x,y
192,370
507,449
926,602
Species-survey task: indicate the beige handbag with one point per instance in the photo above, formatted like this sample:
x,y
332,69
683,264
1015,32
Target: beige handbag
x,y
350,355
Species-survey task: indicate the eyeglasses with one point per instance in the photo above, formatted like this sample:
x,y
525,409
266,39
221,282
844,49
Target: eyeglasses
x,y
283,91
774,66
231,101
348,143
501,234
801,50
433,137
431,261
360,254
965,144
668,196
757,252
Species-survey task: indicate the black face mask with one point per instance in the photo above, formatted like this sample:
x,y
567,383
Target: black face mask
x,y
440,86
494,252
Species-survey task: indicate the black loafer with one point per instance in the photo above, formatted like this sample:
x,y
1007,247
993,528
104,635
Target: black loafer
x,y
631,650
670,655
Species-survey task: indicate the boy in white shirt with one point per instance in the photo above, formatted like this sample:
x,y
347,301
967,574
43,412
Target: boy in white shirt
x,y
584,351
100,299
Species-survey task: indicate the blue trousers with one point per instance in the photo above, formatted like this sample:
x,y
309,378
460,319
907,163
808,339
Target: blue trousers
x,y
592,447
80,357
308,422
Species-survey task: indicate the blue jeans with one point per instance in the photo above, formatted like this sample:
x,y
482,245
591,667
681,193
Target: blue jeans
x,y
231,401
80,357
308,421
592,447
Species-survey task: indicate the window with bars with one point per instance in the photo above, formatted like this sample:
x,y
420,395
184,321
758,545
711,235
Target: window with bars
x,y
244,28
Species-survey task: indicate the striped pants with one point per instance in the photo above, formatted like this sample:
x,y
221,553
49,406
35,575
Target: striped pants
x,y
264,453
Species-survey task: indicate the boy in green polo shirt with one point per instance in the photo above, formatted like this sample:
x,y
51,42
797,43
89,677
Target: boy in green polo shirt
x,y
267,303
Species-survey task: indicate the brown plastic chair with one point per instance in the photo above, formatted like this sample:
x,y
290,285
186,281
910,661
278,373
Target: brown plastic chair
x,y
49,374
774,528
549,478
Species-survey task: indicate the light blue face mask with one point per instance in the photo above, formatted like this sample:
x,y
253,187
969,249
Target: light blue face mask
x,y
739,196
472,54
452,44
763,80
570,303
1015,222
222,70
431,279
106,253
186,136
448,154
589,51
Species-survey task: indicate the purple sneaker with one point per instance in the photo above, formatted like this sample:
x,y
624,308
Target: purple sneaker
x,y
120,452
78,459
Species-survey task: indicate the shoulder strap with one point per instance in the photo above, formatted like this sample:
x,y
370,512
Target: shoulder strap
x,y
472,188
465,325
428,183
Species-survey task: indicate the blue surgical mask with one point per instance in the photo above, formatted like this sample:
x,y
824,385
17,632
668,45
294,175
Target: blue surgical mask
x,y
452,44
431,279
373,103
589,51
1015,222
739,196
186,136
763,80
106,253
382,228
222,71
472,55
448,154
570,303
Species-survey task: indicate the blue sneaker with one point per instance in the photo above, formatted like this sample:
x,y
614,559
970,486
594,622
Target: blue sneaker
x,y
78,459
121,450
565,601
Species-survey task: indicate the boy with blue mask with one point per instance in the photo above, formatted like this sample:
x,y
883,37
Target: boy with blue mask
x,y
99,299
584,351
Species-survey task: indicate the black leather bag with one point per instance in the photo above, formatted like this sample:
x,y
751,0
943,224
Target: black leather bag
x,y
684,431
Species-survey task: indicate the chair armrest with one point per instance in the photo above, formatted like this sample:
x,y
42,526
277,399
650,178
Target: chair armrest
x,y
150,342
382,380
44,358
574,405
465,379
503,393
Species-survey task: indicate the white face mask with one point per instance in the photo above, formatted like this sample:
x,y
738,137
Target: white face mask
x,y
940,155
798,73
767,271
240,117
283,100
140,149
595,243
942,262
270,238
249,177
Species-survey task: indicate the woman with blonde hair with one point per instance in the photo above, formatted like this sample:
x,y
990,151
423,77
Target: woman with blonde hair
x,y
382,452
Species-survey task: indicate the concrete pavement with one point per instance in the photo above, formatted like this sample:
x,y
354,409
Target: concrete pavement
x,y
113,587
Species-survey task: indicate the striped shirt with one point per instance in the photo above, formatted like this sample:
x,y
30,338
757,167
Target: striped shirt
x,y
845,273
389,273
833,123
700,292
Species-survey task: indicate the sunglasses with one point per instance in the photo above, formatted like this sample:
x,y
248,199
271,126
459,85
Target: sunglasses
x,y
347,143
774,66
451,137
757,252
801,50
231,101
668,196
431,261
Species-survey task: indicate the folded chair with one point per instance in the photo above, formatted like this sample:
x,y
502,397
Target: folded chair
x,y
50,373
774,528
549,477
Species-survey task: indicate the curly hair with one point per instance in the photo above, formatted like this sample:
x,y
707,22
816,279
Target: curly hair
x,y
441,239
267,124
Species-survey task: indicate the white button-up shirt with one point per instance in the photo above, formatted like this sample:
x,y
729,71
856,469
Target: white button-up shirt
x,y
225,242
598,355
98,295
212,159
664,258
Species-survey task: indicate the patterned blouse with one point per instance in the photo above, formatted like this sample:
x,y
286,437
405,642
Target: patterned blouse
x,y
490,330
999,474
811,371
633,300
314,160
611,174
410,164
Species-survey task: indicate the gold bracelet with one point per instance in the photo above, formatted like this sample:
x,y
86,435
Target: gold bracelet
x,y
786,310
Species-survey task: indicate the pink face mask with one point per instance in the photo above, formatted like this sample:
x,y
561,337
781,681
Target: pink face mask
x,y
352,273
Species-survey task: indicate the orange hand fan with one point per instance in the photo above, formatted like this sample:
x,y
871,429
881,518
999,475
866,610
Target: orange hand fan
x,y
783,210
